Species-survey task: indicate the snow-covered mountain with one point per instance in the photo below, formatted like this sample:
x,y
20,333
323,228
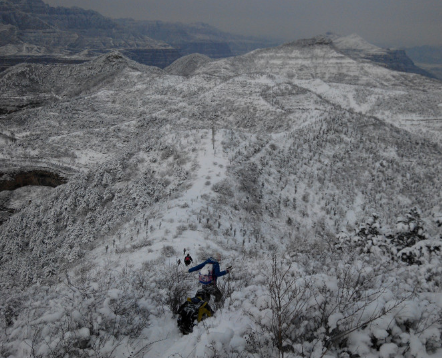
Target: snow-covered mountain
x,y
316,175
360,49
60,30
34,32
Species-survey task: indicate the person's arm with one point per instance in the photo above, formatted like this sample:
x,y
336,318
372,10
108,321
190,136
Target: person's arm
x,y
197,267
222,273
217,272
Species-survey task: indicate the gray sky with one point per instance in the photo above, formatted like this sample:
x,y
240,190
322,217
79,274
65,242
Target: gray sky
x,y
387,23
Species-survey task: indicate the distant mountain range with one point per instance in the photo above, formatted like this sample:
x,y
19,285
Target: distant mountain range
x,y
32,31
197,38
428,58
37,32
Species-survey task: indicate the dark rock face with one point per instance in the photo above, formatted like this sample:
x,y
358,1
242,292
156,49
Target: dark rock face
x,y
20,178
32,6
15,180
56,33
68,29
315,41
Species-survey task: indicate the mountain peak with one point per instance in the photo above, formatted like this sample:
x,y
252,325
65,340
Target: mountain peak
x,y
317,40
353,42
116,60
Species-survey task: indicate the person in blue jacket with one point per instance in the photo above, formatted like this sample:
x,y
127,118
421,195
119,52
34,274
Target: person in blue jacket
x,y
209,273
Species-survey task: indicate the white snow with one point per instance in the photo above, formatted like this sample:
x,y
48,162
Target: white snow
x,y
295,138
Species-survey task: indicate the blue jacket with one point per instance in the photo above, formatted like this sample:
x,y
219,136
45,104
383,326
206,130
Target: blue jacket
x,y
216,272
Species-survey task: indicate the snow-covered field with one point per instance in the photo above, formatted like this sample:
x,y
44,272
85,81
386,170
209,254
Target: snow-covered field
x,y
318,178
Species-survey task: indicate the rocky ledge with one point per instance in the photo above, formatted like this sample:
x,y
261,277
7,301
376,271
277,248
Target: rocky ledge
x,y
15,180
12,180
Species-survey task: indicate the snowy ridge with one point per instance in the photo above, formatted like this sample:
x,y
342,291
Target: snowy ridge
x,y
354,42
186,65
358,48
303,167
30,85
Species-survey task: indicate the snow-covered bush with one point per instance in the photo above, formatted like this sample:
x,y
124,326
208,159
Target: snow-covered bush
x,y
410,243
87,315
223,187
336,304
173,287
168,251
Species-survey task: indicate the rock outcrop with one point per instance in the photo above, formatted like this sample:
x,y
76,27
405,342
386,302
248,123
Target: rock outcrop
x,y
14,180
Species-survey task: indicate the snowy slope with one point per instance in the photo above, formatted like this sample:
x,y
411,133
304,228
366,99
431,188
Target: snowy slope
x,y
277,159
354,42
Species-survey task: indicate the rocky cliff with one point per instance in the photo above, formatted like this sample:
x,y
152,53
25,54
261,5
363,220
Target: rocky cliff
x,y
72,29
33,31
39,33
358,48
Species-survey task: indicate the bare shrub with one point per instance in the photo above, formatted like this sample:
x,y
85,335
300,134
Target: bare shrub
x,y
223,187
288,298
168,251
180,229
193,226
174,287
312,313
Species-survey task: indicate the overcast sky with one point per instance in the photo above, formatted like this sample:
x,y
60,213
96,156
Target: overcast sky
x,y
387,23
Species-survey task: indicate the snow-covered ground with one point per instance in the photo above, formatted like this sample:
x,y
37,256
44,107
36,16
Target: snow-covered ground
x,y
300,166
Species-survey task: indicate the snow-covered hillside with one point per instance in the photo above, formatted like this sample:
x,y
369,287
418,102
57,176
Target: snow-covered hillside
x,y
317,177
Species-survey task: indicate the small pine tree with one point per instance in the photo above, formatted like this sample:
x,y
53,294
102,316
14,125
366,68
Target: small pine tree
x,y
410,230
